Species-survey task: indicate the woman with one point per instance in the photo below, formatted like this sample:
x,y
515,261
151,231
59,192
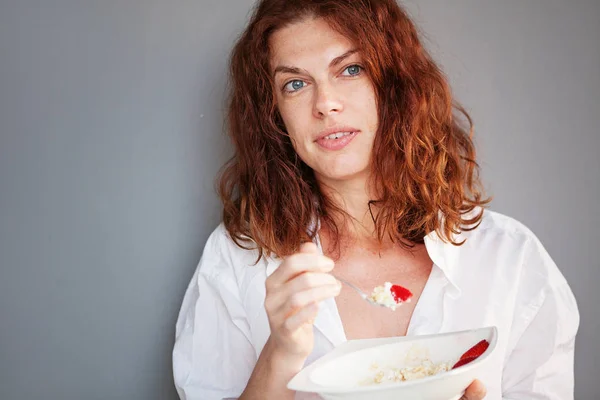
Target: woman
x,y
351,160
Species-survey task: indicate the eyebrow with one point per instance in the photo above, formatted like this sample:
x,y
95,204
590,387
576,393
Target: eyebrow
x,y
293,70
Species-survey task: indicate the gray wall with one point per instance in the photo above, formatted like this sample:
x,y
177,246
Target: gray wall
x,y
110,136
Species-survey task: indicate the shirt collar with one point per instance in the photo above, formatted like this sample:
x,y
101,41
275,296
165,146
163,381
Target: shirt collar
x,y
445,256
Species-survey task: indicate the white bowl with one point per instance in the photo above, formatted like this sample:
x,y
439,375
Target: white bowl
x,y
337,375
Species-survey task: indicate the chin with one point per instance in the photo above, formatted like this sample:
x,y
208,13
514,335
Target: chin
x,y
344,173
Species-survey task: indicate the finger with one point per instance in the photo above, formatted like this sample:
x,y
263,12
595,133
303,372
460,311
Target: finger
x,y
308,280
306,315
475,391
309,248
297,264
301,299
301,283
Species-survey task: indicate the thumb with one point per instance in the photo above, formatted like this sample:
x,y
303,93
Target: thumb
x,y
475,391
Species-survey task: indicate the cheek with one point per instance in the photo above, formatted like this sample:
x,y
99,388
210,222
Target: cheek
x,y
288,123
296,142
371,107
294,125
364,103
373,120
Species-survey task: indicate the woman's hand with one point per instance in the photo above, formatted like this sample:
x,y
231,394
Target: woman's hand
x,y
293,292
475,391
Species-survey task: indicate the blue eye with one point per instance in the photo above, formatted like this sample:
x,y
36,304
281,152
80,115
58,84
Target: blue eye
x,y
293,86
352,70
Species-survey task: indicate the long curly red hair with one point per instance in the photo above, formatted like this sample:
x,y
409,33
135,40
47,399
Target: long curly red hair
x,y
423,162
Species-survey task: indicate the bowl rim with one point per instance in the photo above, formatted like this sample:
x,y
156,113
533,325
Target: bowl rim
x,y
301,382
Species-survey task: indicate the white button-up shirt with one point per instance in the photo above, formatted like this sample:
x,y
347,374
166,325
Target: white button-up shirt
x,y
501,276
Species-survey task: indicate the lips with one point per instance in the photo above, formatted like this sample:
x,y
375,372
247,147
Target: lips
x,y
335,130
336,138
337,135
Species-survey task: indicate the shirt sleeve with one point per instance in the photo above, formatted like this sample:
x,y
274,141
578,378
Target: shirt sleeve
x,y
541,363
213,357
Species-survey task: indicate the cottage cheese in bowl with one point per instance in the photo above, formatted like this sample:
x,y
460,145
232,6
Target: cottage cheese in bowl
x,y
427,367
382,375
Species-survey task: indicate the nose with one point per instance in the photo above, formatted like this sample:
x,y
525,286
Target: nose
x,y
327,101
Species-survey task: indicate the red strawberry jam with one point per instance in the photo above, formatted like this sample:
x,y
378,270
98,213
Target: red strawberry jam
x,y
473,353
400,294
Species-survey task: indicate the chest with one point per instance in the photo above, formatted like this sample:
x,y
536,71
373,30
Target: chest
x,y
367,269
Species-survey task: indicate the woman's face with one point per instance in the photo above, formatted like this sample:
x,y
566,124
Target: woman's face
x,y
325,98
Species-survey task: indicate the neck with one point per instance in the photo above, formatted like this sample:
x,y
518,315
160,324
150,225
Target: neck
x,y
353,197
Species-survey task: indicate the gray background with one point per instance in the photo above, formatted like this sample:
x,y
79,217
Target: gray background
x,y
110,136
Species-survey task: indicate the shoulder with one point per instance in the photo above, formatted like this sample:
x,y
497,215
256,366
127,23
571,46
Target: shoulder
x,y
541,291
224,260
503,235
505,256
497,224
497,236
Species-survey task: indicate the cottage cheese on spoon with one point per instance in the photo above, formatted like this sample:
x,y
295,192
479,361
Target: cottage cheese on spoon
x,y
390,296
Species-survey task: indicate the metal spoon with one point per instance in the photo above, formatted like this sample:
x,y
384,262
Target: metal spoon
x,y
360,292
